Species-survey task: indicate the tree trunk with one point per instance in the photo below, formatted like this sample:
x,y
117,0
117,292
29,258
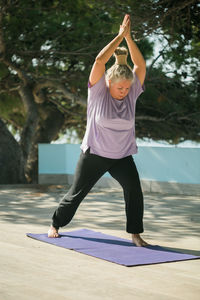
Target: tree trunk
x,y
30,125
51,122
11,158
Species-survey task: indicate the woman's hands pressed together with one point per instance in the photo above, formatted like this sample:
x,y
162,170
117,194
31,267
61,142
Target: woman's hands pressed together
x,y
124,30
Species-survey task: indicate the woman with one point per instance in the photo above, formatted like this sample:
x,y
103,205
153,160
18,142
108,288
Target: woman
x,y
109,140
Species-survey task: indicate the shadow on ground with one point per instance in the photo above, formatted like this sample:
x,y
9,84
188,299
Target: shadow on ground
x,y
171,216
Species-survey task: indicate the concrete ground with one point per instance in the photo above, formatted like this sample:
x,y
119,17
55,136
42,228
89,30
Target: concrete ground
x,y
30,269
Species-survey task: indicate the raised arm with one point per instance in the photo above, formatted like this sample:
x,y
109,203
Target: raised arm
x,y
104,55
136,55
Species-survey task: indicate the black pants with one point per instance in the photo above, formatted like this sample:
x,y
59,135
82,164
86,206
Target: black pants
x,y
89,169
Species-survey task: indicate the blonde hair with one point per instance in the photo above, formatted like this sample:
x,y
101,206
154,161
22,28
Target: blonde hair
x,y
120,70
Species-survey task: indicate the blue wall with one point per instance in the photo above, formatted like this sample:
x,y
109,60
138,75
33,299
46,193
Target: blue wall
x,y
165,164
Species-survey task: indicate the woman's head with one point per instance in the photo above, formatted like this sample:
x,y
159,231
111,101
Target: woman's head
x,y
119,76
120,89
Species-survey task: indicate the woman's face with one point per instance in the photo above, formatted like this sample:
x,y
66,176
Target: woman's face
x,y
119,89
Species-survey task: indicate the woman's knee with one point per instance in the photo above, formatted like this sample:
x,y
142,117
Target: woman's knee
x,y
132,189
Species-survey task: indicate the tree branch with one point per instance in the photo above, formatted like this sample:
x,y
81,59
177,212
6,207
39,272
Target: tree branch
x,y
46,52
63,109
14,89
153,62
149,118
49,83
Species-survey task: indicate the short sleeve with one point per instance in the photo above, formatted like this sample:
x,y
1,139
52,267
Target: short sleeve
x,y
137,88
97,90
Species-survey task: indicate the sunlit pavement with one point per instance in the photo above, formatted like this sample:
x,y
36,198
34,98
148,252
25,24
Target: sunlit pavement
x,y
34,270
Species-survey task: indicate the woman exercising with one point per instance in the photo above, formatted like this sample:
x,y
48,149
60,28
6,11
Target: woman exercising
x,y
109,141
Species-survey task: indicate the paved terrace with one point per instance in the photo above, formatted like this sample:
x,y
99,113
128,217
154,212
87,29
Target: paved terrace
x,y
30,269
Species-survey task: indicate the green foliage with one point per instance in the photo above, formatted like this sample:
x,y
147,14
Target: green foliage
x,y
3,71
12,110
180,26
59,40
171,107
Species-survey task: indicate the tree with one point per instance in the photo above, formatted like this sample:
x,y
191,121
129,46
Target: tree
x,y
43,65
45,61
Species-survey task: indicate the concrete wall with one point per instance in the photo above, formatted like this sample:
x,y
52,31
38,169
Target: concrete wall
x,y
165,169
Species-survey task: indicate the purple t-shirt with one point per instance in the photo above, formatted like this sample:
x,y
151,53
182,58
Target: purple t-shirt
x,y
110,130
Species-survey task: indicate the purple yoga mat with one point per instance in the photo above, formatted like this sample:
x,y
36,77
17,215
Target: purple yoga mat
x,y
111,248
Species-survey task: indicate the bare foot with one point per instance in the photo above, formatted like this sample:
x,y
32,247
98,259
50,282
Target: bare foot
x,y
138,241
53,232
